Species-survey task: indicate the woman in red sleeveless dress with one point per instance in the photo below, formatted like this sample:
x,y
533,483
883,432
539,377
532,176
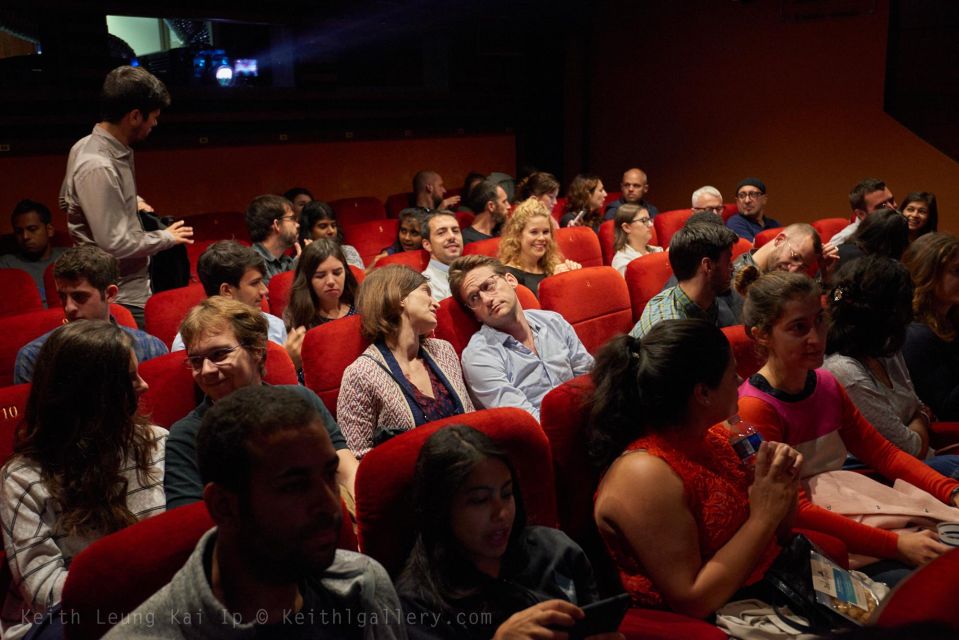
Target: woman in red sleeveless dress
x,y
686,522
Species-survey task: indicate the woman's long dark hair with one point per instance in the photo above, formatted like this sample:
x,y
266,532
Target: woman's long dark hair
x,y
884,232
870,307
644,385
437,572
304,303
82,427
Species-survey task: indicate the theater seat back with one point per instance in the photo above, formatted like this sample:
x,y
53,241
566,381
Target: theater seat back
x,y
327,351
580,244
165,310
667,223
595,300
645,277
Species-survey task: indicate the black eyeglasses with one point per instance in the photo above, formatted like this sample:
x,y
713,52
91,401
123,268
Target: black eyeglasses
x,y
217,358
486,287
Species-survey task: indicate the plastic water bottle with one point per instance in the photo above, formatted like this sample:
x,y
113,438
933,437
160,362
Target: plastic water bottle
x,y
745,439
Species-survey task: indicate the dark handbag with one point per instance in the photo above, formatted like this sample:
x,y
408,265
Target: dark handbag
x,y
170,268
791,582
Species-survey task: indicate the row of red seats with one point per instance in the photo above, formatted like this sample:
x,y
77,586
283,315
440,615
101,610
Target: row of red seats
x,y
116,573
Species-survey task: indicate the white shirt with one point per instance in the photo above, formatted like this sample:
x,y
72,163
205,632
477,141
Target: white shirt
x,y
439,277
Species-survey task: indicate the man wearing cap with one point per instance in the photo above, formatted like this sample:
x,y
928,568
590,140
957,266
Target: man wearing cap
x,y
751,219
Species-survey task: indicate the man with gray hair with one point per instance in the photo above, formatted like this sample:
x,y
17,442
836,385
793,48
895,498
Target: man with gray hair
x,y
708,199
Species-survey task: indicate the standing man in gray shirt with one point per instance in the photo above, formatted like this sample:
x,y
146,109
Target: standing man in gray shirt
x,y
99,191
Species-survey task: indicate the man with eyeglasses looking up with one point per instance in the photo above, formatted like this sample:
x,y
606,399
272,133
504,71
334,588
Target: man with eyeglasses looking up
x,y
517,356
634,186
274,228
869,195
751,219
708,199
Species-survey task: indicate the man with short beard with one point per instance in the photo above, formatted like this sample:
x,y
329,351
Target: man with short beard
x,y
443,240
270,568
274,229
491,205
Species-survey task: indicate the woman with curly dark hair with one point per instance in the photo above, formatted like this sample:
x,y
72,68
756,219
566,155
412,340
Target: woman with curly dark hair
x,y
584,203
85,464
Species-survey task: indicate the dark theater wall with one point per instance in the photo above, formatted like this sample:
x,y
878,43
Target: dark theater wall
x,y
187,181
710,92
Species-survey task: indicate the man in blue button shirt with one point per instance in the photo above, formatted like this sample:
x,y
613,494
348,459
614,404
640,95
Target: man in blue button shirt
x,y
517,356
86,278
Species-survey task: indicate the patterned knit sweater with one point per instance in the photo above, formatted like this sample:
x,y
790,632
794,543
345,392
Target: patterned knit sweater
x,y
370,399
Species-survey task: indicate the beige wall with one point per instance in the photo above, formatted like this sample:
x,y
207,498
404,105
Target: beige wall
x,y
729,90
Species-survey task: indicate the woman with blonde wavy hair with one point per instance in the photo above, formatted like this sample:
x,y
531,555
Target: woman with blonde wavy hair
x,y
527,247
932,340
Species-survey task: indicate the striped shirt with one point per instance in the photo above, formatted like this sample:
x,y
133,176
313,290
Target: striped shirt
x,y
38,554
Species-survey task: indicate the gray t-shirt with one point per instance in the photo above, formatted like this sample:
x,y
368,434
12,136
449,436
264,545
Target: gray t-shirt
x,y
888,410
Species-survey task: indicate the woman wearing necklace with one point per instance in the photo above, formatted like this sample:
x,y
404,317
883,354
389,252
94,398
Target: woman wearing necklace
x,y
404,379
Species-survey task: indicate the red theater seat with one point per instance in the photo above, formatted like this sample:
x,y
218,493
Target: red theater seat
x,y
465,219
607,241
927,595
13,407
456,325
172,394
354,210
748,359
742,246
384,515
327,351
280,286
20,293
369,238
558,209
580,244
18,330
415,260
50,287
594,300
729,210
828,227
645,277
165,310
766,235
488,247
666,223
397,202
